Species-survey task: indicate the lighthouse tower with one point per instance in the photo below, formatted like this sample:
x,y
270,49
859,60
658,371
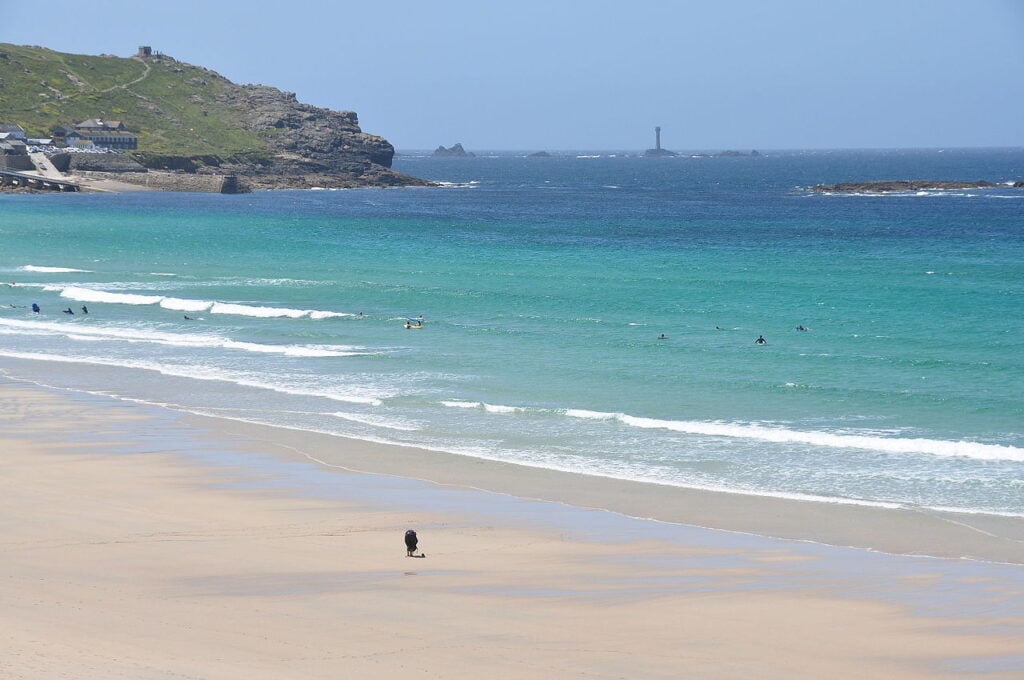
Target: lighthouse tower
x,y
657,150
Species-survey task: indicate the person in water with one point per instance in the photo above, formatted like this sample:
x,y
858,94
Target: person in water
x,y
408,324
69,311
35,308
801,328
85,310
662,337
760,340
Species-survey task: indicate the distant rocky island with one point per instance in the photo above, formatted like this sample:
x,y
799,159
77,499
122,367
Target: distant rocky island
x,y
189,121
902,185
454,151
540,154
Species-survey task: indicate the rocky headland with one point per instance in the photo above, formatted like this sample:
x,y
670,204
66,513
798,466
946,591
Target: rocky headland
x,y
191,121
903,185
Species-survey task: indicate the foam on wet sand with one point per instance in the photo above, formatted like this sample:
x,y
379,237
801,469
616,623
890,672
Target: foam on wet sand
x,y
141,544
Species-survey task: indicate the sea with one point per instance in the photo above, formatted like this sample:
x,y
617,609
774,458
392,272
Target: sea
x,y
592,312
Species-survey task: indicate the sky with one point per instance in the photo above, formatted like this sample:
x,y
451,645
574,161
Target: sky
x,y
561,74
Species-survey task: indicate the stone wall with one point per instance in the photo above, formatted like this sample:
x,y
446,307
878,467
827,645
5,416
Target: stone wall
x,y
176,181
16,163
95,162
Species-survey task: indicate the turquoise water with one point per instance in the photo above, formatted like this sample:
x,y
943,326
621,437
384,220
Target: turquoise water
x,y
544,285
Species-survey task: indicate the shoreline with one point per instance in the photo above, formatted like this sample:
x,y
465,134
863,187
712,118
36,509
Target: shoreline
x,y
143,543
898,531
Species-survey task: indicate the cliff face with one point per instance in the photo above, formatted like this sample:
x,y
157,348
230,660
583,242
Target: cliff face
x,y
308,145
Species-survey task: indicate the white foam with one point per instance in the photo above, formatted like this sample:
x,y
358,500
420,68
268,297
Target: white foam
x,y
592,415
934,447
188,305
462,404
90,295
498,408
135,334
199,372
185,305
52,270
377,421
162,274
315,314
257,311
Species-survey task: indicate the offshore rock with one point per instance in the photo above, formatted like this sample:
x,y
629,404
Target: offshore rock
x,y
455,151
901,185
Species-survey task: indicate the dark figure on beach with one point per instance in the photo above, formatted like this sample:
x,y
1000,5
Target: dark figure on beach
x,y
69,311
85,310
760,340
35,308
410,543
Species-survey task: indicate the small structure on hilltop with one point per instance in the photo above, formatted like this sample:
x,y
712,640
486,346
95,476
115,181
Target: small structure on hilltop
x,y
657,150
145,51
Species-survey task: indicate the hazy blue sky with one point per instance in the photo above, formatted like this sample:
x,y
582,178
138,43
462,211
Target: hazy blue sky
x,y
551,74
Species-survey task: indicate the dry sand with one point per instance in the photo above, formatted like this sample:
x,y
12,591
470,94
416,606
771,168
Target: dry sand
x,y
126,556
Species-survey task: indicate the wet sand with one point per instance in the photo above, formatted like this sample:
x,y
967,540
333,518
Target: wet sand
x,y
143,544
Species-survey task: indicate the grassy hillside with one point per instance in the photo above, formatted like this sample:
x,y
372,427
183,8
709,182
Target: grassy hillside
x,y
174,108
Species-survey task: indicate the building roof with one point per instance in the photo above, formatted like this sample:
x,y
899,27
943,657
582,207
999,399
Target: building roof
x,y
100,124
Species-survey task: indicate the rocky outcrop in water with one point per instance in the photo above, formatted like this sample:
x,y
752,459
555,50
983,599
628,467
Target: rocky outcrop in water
x,y
454,151
902,185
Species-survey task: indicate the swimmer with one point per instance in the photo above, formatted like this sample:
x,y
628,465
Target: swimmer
x,y
187,317
801,328
69,311
719,328
85,310
760,340
662,337
35,308
408,325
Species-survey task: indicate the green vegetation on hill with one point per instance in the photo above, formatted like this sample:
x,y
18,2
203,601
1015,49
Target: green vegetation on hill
x,y
175,108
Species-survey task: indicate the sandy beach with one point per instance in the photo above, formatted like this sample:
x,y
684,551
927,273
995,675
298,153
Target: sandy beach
x,y
144,544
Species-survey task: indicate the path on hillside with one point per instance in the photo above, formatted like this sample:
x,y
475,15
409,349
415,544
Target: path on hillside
x,y
125,86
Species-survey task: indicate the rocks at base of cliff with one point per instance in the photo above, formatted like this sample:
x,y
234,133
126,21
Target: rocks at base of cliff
x,y
902,185
455,151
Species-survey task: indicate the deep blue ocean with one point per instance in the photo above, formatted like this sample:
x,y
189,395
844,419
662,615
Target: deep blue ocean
x,y
545,286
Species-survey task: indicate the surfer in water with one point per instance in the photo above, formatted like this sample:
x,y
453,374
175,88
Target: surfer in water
x,y
69,311
85,310
760,340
